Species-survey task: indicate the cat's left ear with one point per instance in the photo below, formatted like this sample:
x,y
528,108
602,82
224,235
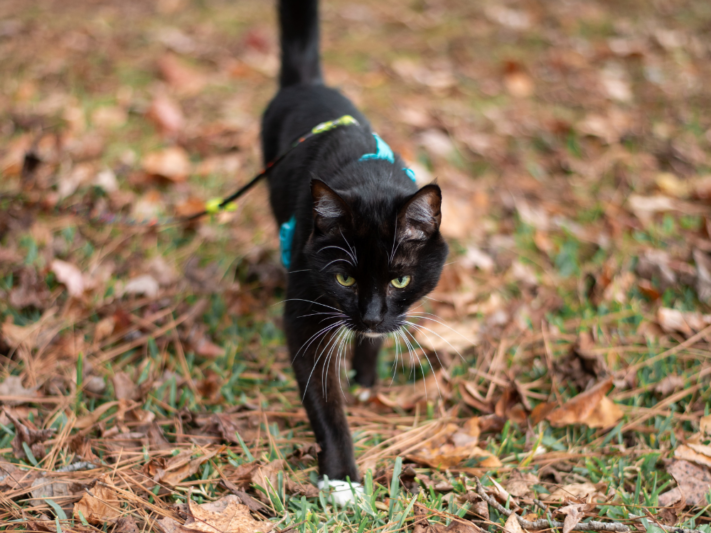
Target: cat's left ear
x,y
421,215
330,211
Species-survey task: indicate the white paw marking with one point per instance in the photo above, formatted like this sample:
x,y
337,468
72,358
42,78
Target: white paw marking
x,y
364,395
341,491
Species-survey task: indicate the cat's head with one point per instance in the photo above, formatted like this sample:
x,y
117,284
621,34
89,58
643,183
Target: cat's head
x,y
373,259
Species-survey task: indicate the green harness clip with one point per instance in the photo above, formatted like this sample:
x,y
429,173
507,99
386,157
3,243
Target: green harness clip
x,y
212,206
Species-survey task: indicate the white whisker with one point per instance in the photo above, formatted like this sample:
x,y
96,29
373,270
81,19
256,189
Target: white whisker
x,y
422,328
316,335
421,315
336,261
339,248
352,249
327,363
308,301
439,391
306,388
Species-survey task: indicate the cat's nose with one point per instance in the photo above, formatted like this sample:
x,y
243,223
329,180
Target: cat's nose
x,y
372,322
373,315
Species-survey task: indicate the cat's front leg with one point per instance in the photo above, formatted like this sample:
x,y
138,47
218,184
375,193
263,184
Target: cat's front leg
x,y
315,362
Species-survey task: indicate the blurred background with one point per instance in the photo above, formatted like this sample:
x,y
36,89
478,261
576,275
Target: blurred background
x,y
571,140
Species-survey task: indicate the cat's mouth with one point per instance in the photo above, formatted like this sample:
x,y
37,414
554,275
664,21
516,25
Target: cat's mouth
x,y
374,334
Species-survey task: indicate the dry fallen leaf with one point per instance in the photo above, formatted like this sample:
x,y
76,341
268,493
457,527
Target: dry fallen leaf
x,y
591,408
519,484
226,515
669,384
124,387
126,525
453,446
179,467
422,525
578,492
70,276
99,505
179,75
13,478
172,163
33,438
13,387
688,323
693,484
573,514
142,285
512,525
166,114
698,447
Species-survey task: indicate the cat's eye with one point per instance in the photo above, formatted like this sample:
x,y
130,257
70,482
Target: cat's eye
x,y
345,280
401,282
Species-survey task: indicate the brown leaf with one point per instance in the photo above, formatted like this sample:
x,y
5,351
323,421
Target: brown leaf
x,y
30,291
14,479
12,386
669,384
32,437
266,477
573,514
578,492
47,487
124,387
99,505
422,525
209,388
605,415
591,408
512,525
688,323
167,116
179,75
226,515
453,446
171,163
693,481
246,499
70,276
126,525
519,484
179,467
432,388
35,335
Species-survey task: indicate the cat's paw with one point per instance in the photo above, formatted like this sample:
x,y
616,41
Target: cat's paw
x,y
341,491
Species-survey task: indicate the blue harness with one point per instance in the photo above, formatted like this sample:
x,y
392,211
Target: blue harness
x,y
287,229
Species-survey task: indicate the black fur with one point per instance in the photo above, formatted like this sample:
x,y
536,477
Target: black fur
x,y
363,219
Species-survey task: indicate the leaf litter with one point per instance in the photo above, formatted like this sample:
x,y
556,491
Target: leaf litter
x,y
563,360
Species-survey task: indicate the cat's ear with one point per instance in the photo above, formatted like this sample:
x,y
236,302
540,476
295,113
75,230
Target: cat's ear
x,y
421,215
330,211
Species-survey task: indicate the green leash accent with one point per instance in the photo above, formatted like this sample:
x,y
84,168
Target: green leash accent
x,y
216,206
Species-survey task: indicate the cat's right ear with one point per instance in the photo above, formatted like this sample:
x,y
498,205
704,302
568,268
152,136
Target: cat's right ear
x,y
330,211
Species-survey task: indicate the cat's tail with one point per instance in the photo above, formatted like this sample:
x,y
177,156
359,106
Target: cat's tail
x,y
300,60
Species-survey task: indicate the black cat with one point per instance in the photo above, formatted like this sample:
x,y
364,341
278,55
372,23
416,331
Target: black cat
x,y
361,243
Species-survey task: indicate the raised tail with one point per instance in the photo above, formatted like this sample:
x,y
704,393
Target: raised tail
x,y
300,60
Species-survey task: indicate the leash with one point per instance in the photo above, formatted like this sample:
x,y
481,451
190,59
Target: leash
x,y
215,205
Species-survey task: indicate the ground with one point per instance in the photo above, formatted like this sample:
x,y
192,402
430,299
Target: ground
x,y
565,367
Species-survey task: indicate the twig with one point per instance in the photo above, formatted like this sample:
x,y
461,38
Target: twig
x,y
548,524
673,529
75,467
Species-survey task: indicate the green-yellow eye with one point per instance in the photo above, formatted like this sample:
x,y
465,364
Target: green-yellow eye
x,y
345,280
401,282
